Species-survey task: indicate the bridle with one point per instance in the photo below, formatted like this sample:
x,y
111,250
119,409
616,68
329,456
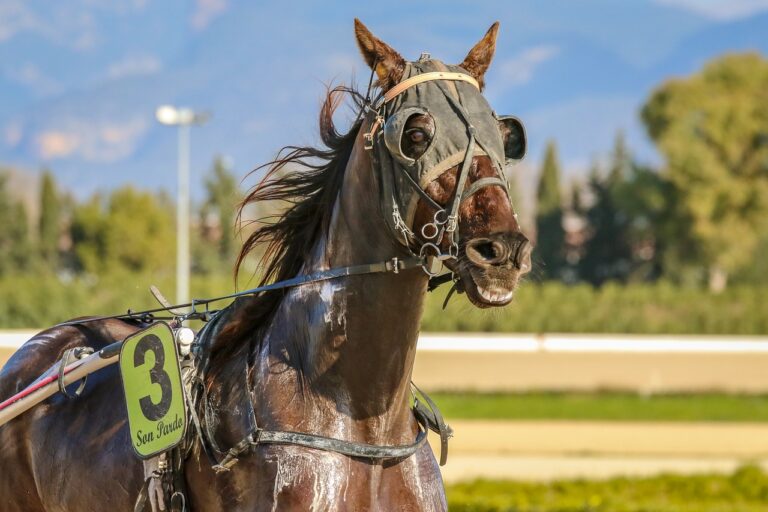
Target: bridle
x,y
426,243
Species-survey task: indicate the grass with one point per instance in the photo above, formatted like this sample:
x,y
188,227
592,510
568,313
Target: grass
x,y
603,406
746,490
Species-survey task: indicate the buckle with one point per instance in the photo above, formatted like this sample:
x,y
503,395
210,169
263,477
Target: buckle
x,y
395,264
368,137
451,223
368,141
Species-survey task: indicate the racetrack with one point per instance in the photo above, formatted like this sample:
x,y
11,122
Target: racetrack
x,y
548,450
544,450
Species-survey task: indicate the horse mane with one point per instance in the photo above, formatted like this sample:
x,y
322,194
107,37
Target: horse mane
x,y
308,180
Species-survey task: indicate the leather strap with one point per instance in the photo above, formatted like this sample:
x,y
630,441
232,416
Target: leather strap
x,y
259,436
426,77
482,183
434,421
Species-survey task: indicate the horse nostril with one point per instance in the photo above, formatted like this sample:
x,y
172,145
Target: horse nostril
x,y
523,256
487,252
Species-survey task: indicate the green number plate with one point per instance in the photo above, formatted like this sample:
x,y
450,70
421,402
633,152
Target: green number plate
x,y
152,385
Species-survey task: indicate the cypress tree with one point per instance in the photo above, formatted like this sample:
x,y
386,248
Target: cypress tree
x,y
14,232
50,211
550,235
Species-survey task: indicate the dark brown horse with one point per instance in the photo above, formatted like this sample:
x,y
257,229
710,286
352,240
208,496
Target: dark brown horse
x,y
331,358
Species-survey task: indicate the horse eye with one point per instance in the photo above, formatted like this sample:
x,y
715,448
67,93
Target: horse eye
x,y
417,135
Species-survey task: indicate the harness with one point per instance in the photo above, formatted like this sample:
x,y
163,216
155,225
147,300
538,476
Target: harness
x,y
384,117
426,414
445,223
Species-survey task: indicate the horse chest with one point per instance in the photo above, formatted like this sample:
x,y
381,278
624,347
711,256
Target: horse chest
x,y
293,478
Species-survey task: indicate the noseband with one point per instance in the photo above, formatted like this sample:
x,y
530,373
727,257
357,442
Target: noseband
x,y
446,218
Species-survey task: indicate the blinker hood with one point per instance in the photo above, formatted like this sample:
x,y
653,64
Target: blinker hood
x,y
449,144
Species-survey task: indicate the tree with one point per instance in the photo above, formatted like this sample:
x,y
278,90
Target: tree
x,y
712,128
14,232
50,217
621,161
550,235
223,196
132,230
607,251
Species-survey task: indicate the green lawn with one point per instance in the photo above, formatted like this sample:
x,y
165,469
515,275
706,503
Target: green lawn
x,y
746,490
603,406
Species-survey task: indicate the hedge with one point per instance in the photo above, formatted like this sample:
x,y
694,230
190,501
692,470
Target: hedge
x,y
746,490
659,308
29,301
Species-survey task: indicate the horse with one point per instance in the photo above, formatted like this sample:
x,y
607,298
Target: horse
x,y
418,178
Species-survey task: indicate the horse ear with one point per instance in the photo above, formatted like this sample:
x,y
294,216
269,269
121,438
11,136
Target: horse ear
x,y
389,64
479,57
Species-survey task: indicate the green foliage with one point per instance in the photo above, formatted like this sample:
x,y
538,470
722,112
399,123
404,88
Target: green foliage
x,y
218,218
131,230
607,251
15,244
605,406
50,221
550,235
745,490
41,300
652,308
711,127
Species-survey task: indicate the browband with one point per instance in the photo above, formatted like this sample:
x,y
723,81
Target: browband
x,y
426,77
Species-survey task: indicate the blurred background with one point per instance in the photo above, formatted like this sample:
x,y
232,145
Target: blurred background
x,y
630,371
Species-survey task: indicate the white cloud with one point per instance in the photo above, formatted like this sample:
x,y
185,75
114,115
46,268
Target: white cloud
x,y
519,70
130,66
720,9
206,11
32,77
15,17
94,141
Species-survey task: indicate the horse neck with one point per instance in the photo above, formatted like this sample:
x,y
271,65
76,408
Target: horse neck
x,y
351,341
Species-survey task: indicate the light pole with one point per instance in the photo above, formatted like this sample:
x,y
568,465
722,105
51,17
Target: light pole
x,y
183,118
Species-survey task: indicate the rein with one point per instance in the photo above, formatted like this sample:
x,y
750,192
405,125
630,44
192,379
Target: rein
x,y
394,265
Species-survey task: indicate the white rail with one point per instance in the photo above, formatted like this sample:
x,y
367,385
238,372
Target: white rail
x,y
556,343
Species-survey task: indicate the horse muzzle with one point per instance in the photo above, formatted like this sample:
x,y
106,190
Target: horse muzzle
x,y
491,267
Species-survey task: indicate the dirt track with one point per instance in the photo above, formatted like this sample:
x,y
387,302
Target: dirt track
x,y
590,371
542,450
545,450
4,355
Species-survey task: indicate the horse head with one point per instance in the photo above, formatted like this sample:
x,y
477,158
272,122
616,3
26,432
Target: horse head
x,y
440,151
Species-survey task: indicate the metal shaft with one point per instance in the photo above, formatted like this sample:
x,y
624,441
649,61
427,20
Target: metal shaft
x,y
74,373
182,218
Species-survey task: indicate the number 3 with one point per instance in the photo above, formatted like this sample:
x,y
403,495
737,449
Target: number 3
x,y
157,375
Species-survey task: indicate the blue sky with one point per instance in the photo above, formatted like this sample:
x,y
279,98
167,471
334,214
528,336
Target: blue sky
x,y
79,80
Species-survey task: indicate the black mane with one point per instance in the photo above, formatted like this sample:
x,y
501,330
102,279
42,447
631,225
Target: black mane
x,y
308,180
